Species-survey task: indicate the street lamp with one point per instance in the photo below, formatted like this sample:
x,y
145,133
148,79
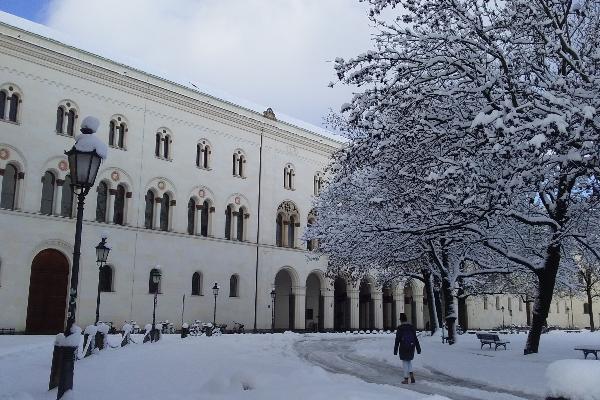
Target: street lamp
x,y
502,308
567,310
102,251
84,161
155,275
215,290
273,295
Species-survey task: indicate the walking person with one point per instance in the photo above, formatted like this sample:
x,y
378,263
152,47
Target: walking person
x,y
405,345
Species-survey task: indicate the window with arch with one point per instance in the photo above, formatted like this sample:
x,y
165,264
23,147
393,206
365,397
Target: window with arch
x,y
241,224
9,187
288,177
286,224
154,287
106,278
228,221
162,144
485,302
3,100
239,164
10,101
197,284
191,217
119,206
165,206
203,152
66,115
101,201
149,210
48,186
311,244
66,203
497,302
13,111
234,283
205,218
317,183
117,129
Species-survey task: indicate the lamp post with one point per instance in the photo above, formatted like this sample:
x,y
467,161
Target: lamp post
x,y
156,275
273,295
102,251
84,161
502,308
568,319
215,290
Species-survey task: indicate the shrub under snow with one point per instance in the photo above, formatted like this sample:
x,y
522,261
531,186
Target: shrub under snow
x,y
574,379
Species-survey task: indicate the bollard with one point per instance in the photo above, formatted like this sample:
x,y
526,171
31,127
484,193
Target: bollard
x,y
185,330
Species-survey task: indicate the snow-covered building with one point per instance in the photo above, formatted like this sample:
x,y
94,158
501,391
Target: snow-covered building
x,y
206,189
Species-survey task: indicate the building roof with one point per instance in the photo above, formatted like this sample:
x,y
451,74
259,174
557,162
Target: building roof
x,y
138,66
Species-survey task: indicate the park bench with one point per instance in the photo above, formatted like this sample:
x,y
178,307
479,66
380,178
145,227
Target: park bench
x,y
7,331
491,339
589,350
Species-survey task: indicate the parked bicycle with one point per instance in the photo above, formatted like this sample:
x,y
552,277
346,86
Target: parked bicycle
x,y
237,327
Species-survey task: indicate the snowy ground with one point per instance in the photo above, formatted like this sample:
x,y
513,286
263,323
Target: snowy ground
x,y
286,365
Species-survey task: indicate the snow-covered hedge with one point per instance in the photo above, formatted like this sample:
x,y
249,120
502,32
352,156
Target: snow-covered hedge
x,y
574,379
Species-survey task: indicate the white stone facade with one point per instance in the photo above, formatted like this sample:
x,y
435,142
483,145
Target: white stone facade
x,y
279,163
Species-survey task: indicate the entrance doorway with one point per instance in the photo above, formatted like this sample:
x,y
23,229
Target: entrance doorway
x,y
48,286
341,306
314,304
284,301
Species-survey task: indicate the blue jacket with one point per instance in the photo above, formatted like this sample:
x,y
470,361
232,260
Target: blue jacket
x,y
406,333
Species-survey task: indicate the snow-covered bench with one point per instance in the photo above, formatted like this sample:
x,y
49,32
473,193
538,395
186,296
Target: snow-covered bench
x,y
589,350
491,339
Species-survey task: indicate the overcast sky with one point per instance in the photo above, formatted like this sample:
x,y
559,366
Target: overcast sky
x,y
277,53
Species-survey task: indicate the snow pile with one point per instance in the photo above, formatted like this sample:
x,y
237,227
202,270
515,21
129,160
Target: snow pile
x,y
127,328
72,340
103,328
91,330
574,379
90,142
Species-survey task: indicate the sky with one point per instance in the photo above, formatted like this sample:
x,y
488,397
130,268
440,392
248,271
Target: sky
x,y
276,53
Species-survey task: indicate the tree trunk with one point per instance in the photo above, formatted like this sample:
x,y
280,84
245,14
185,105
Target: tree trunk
x,y
450,311
590,307
428,278
528,309
438,306
546,281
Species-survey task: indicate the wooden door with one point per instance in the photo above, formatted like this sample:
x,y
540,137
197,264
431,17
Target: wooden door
x,y
47,303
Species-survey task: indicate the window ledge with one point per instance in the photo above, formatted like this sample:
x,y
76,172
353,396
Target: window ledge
x,y
65,135
197,295
204,169
10,122
112,146
163,158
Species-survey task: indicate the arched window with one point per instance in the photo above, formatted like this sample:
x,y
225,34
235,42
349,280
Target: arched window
x,y
167,147
205,154
292,232
66,206
288,177
204,217
112,127
234,286
3,97
48,182
198,154
279,231
119,208
14,107
9,187
191,225
60,119
101,200
106,278
197,284
240,224
149,211
235,164
311,243
153,287
71,115
318,184
228,221
485,302
241,161
122,131
164,212
157,144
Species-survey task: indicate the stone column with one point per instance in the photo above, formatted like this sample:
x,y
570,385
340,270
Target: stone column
x,y
399,302
156,213
377,299
198,220
234,217
327,309
418,299
299,293
110,205
58,197
353,298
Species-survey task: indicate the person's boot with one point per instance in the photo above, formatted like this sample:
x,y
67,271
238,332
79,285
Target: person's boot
x,y
405,381
412,378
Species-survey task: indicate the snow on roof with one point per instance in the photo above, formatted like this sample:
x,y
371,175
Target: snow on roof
x,y
104,53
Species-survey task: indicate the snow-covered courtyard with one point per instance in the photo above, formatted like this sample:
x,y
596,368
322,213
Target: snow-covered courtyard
x,y
294,366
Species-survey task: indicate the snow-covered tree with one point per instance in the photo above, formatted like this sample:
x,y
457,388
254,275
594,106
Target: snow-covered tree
x,y
482,115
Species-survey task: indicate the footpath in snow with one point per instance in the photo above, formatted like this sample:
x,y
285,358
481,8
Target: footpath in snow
x,y
289,366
